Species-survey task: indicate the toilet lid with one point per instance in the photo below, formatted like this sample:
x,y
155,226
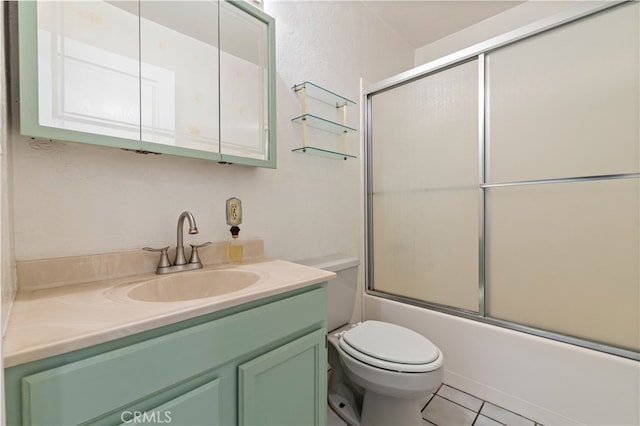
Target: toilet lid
x,y
390,343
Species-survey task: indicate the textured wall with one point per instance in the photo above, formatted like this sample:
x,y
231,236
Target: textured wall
x,y
75,199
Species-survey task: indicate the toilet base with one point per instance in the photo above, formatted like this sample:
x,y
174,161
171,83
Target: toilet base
x,y
345,401
345,407
382,410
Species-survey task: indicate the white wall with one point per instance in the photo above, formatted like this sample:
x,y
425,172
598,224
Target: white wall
x,y
509,20
548,381
72,199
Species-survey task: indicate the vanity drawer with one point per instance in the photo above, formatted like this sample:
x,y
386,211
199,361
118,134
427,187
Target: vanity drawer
x,y
98,386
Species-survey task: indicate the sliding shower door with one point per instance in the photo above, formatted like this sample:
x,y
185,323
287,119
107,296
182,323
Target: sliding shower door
x,y
424,188
563,237
503,184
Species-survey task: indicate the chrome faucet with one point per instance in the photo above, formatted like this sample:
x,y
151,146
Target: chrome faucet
x,y
180,262
193,229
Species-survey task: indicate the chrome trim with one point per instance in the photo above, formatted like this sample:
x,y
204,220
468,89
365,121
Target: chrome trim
x,y
481,179
562,180
558,337
369,193
572,14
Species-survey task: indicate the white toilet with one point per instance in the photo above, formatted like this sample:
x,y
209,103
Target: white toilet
x,y
380,372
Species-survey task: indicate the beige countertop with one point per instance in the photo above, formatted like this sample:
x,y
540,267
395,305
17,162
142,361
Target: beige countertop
x,y
50,321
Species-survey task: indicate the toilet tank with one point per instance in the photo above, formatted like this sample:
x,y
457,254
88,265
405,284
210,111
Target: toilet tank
x,y
342,289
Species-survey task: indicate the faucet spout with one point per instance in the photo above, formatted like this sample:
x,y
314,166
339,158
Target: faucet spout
x,y
193,229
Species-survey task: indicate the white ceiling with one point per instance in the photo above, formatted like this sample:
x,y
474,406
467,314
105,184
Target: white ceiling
x,y
421,22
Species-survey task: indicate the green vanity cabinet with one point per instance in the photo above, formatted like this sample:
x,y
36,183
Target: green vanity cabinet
x,y
194,79
259,363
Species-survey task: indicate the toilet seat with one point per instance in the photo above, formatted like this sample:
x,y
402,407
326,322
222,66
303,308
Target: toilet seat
x,y
390,347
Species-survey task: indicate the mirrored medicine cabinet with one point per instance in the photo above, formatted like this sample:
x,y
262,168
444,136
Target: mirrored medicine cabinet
x,y
187,78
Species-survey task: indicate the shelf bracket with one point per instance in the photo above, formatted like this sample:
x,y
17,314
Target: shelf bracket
x,y
344,132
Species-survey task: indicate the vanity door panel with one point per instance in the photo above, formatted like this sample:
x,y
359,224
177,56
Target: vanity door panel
x,y
286,386
201,406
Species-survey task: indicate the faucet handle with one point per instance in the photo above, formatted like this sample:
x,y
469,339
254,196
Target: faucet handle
x,y
194,252
164,257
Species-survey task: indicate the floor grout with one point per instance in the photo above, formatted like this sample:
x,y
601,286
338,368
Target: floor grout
x,y
477,412
458,406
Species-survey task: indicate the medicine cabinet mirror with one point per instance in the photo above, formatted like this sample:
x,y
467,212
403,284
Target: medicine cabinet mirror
x,y
188,78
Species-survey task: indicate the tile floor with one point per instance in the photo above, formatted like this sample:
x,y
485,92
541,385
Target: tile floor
x,y
451,407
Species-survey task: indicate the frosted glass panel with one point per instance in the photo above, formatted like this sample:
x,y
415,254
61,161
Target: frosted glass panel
x,y
426,246
179,86
566,258
566,102
424,156
88,72
425,133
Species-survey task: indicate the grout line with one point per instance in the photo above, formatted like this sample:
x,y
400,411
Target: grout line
x,y
460,405
483,402
478,414
466,393
495,419
425,405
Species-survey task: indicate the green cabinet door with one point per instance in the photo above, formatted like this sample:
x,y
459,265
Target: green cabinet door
x,y
199,407
286,386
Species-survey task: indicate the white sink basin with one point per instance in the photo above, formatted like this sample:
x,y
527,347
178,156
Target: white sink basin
x,y
192,285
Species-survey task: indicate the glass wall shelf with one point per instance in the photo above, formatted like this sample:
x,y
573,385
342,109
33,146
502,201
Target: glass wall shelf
x,y
323,152
322,94
323,124
308,90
